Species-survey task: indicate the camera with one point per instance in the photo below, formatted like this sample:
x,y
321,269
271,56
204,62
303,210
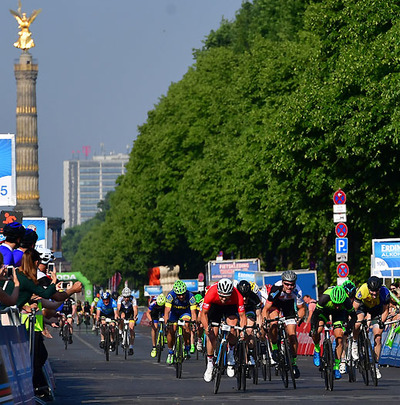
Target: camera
x,y
50,267
10,271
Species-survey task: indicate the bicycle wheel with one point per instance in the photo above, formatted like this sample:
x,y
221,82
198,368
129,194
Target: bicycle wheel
x,y
363,357
178,357
289,362
238,356
219,367
125,342
327,360
159,343
372,362
257,362
243,365
107,343
350,363
283,371
65,335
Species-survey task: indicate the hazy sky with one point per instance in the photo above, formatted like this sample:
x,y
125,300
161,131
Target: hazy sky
x,y
103,64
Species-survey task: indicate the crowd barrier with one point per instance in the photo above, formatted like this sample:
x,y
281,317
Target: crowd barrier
x,y
389,355
15,361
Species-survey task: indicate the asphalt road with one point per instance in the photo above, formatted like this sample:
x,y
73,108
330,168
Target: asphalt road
x,y
84,377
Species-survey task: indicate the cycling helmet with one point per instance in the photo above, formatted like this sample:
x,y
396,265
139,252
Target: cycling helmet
x,y
198,298
350,288
244,288
160,300
114,295
46,255
29,239
179,287
374,283
105,296
338,294
126,292
225,287
289,276
14,230
254,287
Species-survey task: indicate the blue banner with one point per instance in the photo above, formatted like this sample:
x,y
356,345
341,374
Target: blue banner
x,y
226,268
192,285
386,257
8,190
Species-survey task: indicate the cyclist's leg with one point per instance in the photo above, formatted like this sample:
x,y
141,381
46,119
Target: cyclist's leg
x,y
273,332
171,331
361,313
338,332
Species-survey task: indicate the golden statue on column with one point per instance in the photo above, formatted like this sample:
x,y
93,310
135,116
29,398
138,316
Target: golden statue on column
x,y
25,40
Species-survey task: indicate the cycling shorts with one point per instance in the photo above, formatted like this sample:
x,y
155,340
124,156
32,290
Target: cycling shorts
x,y
218,312
287,309
339,318
375,312
177,314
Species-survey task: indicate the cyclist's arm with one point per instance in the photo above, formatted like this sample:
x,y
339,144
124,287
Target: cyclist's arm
x,y
242,319
204,319
385,313
135,312
97,314
167,312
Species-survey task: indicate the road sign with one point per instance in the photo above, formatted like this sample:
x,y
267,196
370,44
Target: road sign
x,y
342,270
341,257
339,218
339,197
341,245
339,208
341,230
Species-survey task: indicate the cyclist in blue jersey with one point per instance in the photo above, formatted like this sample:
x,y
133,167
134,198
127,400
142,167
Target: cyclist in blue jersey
x,y
180,304
106,308
13,233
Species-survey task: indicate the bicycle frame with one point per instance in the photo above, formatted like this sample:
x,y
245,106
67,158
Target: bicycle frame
x,y
220,362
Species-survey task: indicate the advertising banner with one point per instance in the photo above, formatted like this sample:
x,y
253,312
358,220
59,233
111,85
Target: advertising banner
x,y
150,290
39,225
192,285
227,268
385,260
8,189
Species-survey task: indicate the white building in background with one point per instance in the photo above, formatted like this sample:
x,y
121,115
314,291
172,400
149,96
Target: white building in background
x,y
86,183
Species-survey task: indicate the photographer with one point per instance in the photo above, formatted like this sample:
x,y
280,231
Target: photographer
x,y
6,299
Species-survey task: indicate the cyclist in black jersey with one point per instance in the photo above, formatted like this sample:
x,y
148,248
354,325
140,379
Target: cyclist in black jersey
x,y
252,307
334,303
285,298
128,309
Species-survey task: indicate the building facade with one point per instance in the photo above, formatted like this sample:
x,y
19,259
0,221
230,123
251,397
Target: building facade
x,y
86,183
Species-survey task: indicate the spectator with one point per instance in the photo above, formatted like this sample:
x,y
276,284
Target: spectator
x,y
311,304
13,233
6,299
27,277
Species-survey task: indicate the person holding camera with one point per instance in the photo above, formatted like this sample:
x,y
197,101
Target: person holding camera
x,y
8,273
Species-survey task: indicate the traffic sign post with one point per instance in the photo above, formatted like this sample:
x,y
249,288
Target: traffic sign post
x,y
341,230
342,270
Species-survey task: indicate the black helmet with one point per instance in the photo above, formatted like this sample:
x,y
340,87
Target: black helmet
x,y
114,295
14,230
244,288
29,239
374,283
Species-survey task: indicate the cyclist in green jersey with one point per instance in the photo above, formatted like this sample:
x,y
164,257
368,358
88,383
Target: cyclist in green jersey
x,y
334,303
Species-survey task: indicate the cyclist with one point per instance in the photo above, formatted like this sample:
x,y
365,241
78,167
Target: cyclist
x,y
200,330
13,232
371,298
222,300
286,297
333,302
86,310
68,310
155,312
106,308
180,304
252,306
128,309
93,309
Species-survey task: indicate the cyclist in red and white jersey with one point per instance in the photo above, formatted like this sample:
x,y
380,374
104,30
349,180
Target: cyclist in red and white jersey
x,y
222,300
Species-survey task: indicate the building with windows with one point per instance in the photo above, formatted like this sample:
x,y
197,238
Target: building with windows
x,y
86,183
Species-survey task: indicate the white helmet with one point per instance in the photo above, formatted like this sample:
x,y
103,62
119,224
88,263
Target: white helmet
x,y
126,292
225,286
46,255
